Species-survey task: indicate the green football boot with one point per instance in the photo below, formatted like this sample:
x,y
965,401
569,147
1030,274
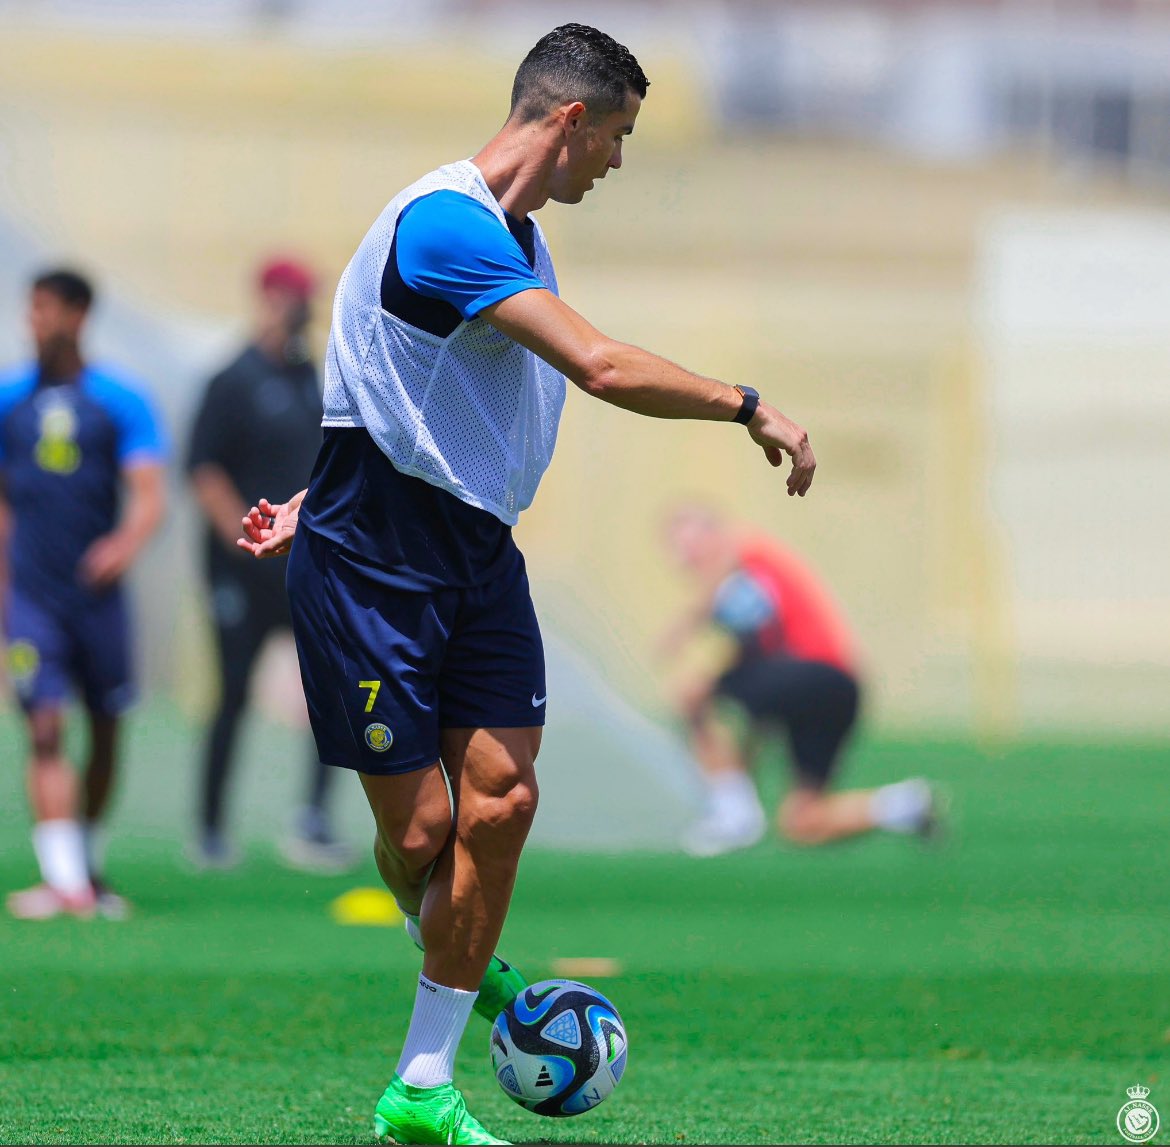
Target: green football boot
x,y
407,1114
500,985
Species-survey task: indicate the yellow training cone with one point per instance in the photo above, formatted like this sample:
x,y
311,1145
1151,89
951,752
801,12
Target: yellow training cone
x,y
373,907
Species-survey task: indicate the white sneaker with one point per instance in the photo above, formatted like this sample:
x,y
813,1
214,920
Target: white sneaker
x,y
322,857
935,824
111,906
714,836
42,902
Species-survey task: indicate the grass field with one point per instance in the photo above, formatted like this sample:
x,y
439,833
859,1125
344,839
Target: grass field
x,y
1006,988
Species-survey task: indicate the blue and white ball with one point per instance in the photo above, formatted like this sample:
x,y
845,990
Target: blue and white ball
x,y
559,1048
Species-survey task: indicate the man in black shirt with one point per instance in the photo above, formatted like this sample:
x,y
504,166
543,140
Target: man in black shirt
x,y
258,428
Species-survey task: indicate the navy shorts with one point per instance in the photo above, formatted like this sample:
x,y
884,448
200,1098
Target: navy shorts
x,y
385,670
55,651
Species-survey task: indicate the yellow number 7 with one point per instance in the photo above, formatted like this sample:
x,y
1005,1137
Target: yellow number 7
x,y
373,687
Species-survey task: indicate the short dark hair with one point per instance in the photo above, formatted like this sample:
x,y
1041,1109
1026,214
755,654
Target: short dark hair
x,y
72,288
576,62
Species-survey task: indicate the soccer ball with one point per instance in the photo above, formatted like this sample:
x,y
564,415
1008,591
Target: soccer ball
x,y
559,1048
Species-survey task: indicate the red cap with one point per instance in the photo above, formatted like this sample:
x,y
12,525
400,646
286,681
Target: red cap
x,y
287,275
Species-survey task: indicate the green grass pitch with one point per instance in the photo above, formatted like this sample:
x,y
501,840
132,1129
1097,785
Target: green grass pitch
x,y
1006,988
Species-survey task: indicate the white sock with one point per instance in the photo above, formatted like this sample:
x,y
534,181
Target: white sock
x,y
94,839
61,854
734,799
901,807
413,931
436,1027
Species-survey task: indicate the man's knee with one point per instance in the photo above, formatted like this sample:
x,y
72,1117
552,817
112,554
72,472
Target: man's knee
x,y
415,847
44,735
505,807
802,819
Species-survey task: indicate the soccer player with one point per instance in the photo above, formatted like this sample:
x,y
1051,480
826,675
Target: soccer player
x,y
419,647
793,671
260,420
81,459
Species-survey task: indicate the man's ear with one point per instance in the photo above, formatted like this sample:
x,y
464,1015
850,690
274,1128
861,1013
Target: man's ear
x,y
572,117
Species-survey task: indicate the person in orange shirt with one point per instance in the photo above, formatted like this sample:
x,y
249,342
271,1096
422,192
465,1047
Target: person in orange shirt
x,y
794,670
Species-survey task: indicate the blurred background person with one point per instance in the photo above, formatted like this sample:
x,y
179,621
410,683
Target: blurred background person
x,y
258,428
81,459
794,670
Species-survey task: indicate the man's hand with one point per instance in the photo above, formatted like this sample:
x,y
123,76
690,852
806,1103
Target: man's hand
x,y
107,559
110,556
269,529
779,436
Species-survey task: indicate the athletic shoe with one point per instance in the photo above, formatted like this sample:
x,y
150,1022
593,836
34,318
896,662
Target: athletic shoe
x,y
212,852
41,902
500,985
308,854
407,1114
714,836
110,906
935,821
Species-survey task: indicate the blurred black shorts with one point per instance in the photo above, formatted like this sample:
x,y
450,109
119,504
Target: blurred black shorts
x,y
814,703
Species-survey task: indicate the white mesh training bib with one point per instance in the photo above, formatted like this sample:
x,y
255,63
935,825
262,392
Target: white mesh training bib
x,y
474,413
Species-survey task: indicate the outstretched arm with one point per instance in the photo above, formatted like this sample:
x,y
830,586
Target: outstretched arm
x,y
684,627
637,380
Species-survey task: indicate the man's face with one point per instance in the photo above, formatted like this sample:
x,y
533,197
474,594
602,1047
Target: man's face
x,y
54,323
284,310
591,149
694,540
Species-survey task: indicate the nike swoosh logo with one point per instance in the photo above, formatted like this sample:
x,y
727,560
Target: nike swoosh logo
x,y
538,701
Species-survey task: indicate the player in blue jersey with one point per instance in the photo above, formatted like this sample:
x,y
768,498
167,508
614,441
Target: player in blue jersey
x,y
419,647
81,462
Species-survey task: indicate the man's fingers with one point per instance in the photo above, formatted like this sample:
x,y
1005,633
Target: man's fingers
x,y
806,479
801,476
271,548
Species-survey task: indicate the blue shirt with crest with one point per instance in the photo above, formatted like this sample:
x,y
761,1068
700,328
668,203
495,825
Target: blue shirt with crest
x,y
63,448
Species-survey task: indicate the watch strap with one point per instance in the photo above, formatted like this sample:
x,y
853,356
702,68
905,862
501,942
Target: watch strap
x,y
747,410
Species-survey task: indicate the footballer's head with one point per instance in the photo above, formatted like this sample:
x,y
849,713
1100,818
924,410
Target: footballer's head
x,y
586,88
285,288
59,303
698,537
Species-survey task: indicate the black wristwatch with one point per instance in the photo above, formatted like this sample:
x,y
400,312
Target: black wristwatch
x,y
751,399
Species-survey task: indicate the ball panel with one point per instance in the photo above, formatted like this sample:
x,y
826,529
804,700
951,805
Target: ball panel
x,y
564,1029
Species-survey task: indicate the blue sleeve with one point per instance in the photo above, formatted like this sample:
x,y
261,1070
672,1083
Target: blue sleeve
x,y
742,605
14,388
141,437
451,247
